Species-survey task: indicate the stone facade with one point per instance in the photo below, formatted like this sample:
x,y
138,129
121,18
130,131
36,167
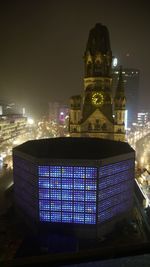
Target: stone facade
x,y
95,113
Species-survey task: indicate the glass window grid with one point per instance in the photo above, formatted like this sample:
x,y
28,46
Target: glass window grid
x,y
55,205
43,171
55,194
90,184
67,183
44,183
55,183
115,200
79,206
90,207
55,171
90,218
44,193
67,194
115,179
112,212
67,204
116,167
79,184
114,190
67,172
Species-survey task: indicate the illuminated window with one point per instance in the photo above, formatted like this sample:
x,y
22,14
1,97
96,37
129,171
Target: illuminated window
x,y
55,216
67,183
44,204
67,206
55,182
78,206
44,216
91,172
79,217
90,218
90,184
116,167
67,217
55,205
44,193
43,171
55,194
79,172
78,195
44,183
79,184
67,172
67,195
90,207
90,196
55,171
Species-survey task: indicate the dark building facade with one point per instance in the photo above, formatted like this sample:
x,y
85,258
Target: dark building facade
x,y
131,78
91,113
81,184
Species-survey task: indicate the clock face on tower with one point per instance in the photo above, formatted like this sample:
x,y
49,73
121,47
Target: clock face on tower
x,y
97,99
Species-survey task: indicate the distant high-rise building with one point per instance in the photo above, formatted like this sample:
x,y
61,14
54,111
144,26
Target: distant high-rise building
x,y
131,81
58,112
91,114
80,185
143,118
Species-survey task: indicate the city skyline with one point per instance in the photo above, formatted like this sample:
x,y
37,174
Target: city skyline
x,y
42,47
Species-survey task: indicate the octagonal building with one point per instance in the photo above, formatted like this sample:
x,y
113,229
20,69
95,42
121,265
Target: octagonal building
x,y
80,185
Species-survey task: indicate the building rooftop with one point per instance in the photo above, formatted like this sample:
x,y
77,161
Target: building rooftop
x,y
74,148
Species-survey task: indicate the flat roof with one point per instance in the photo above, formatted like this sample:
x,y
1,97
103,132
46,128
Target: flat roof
x,y
74,148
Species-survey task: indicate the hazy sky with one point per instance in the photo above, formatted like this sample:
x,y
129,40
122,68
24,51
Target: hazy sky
x,y
42,45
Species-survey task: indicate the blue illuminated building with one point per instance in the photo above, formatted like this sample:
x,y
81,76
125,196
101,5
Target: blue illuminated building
x,y
81,184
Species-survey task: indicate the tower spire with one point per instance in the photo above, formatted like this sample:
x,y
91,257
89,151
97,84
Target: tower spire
x,y
120,92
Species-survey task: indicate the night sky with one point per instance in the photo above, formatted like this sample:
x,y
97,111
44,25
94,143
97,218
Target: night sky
x,y
42,45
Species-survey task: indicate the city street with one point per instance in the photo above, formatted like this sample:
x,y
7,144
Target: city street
x,y
6,181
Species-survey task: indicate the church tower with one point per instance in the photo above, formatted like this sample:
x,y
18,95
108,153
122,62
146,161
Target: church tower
x,y
119,109
91,114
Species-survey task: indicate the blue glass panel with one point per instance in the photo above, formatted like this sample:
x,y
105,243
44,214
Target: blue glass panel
x,y
55,205
110,213
78,195
44,204
44,183
67,206
78,217
79,172
90,184
67,172
44,216
91,172
55,182
55,216
67,217
78,206
90,195
67,194
55,171
115,200
67,183
43,171
44,193
116,178
114,190
90,207
90,218
55,194
79,184
116,167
